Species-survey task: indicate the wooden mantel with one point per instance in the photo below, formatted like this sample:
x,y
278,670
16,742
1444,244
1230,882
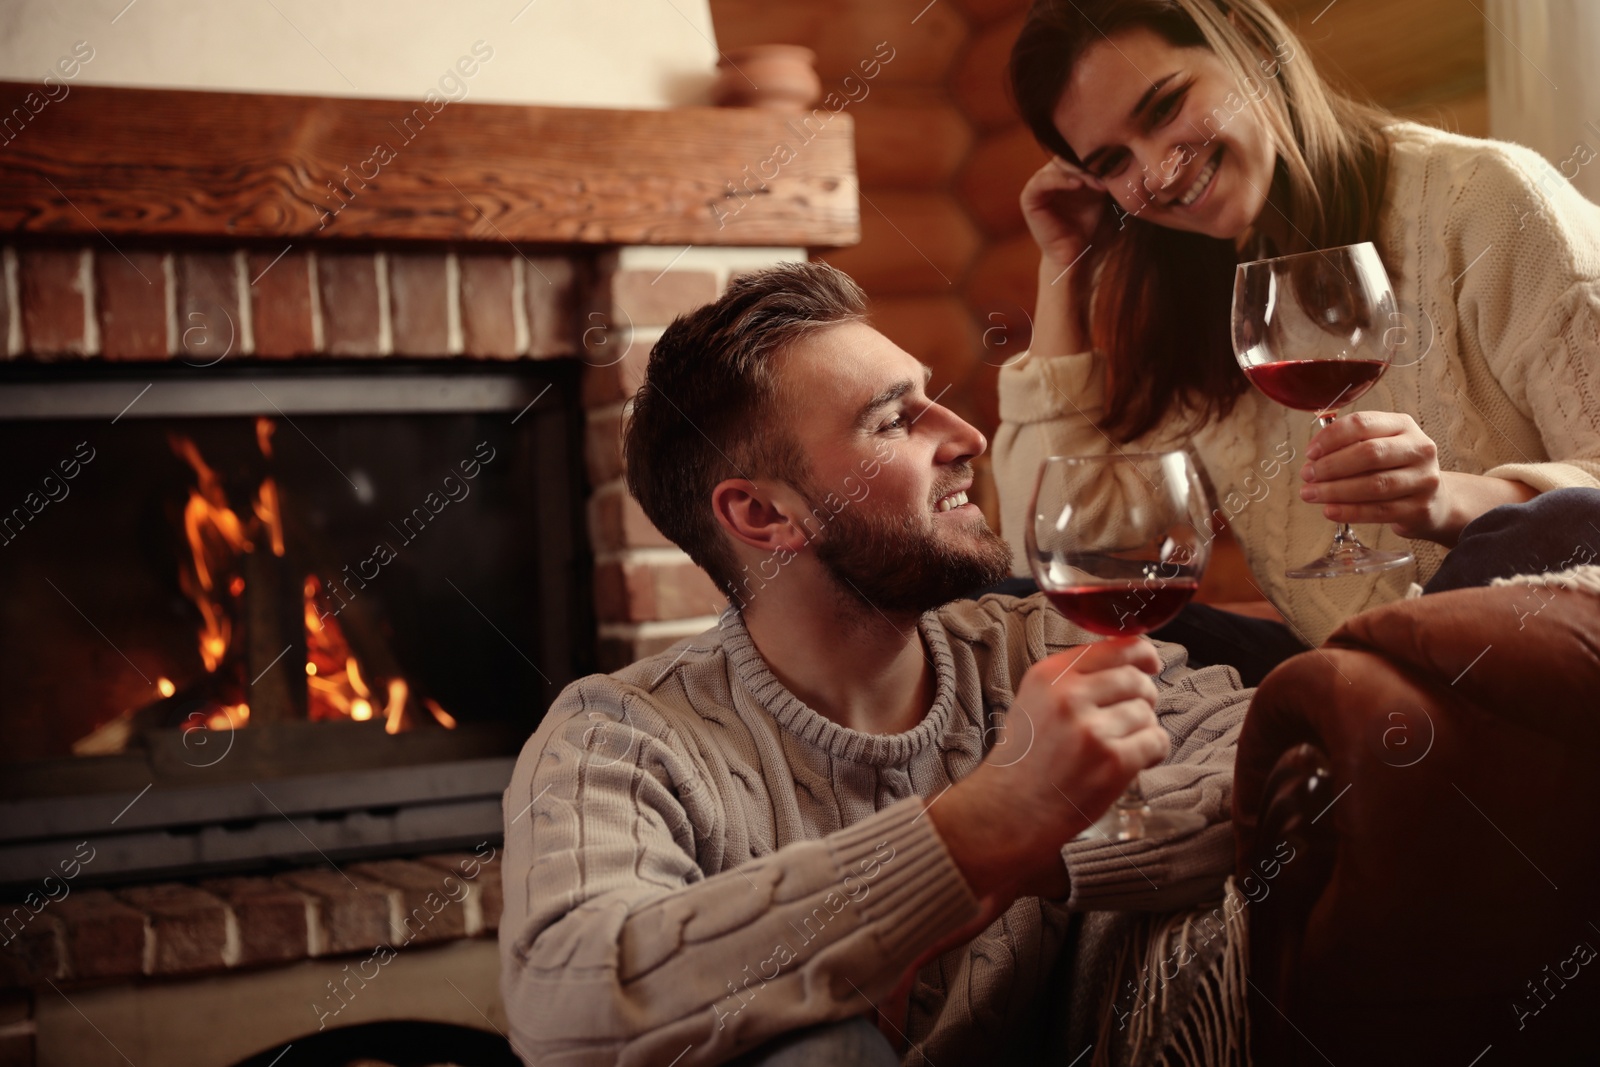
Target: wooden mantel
x,y
119,161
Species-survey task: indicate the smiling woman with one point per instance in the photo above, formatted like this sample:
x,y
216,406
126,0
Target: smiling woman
x,y
1192,135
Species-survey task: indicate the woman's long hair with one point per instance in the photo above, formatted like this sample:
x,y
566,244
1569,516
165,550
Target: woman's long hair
x,y
1159,299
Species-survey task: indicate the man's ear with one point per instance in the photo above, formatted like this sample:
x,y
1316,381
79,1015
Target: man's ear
x,y
757,516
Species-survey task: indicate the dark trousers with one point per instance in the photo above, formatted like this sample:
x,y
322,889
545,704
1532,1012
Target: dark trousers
x,y
1551,532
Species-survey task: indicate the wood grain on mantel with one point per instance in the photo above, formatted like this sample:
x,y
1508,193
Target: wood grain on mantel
x,y
119,161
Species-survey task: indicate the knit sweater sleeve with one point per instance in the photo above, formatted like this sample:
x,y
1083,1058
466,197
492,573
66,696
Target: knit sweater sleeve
x,y
1050,406
617,946
1528,249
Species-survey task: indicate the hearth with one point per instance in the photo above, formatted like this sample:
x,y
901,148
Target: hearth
x,y
263,614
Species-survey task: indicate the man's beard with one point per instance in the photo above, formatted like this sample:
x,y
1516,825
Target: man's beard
x,y
903,566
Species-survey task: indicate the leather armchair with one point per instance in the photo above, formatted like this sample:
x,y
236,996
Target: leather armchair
x,y
1417,813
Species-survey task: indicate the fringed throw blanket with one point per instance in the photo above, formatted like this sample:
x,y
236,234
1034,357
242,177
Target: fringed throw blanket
x,y
1178,998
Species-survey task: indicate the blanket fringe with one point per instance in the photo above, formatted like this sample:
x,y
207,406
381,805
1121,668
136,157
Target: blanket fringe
x,y
1180,995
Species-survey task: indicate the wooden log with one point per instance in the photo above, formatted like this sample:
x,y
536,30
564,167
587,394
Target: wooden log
x,y
983,12
913,143
991,180
1004,281
938,330
979,81
1396,54
255,165
274,638
912,242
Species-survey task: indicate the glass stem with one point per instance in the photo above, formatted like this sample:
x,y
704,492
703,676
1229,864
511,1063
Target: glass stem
x,y
1343,536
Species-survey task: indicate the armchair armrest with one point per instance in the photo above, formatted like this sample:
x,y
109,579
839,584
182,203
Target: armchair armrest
x,y
1436,761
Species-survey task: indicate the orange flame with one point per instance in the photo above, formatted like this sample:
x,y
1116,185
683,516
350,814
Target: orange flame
x,y
217,536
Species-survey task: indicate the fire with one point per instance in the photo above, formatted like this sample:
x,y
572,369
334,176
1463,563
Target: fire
x,y
218,539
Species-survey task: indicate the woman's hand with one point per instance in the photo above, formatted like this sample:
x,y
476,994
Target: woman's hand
x,y
1378,466
1062,205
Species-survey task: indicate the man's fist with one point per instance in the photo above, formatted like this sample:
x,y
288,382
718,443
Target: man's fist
x,y
1083,724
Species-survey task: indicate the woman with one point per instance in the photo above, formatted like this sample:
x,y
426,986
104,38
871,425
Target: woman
x,y
1191,135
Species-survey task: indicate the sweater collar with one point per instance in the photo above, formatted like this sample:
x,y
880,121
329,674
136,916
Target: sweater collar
x,y
814,728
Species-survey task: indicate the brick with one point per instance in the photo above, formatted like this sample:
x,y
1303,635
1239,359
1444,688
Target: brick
x,y
483,883
347,284
353,912
552,286
419,303
427,912
486,309
280,303
614,366
189,925
602,446
104,937
34,948
208,307
637,591
50,284
655,298
271,919
617,521
131,299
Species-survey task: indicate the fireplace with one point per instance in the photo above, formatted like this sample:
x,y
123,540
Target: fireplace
x,y
245,579
305,522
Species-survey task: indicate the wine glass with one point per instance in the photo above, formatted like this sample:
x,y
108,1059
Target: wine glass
x,y
1117,544
1312,331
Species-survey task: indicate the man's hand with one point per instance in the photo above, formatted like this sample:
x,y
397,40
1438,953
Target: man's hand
x,y
1379,466
1082,726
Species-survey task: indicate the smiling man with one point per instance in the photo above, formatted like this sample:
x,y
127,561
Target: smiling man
x,y
849,809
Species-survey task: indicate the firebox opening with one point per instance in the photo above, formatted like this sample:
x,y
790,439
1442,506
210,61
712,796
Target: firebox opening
x,y
240,552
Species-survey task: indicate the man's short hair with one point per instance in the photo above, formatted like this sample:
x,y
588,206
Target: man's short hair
x,y
709,408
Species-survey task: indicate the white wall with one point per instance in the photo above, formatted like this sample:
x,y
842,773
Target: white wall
x,y
1544,82
601,53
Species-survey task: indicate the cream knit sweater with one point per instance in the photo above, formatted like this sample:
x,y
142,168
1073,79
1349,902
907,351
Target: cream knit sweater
x,y
696,861
1495,261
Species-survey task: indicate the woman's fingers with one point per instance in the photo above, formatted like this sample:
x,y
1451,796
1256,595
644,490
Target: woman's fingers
x,y
1076,173
1406,511
1377,487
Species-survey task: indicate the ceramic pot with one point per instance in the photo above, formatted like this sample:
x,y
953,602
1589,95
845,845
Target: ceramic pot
x,y
776,77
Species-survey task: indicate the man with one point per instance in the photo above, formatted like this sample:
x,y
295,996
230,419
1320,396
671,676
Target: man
x,y
855,775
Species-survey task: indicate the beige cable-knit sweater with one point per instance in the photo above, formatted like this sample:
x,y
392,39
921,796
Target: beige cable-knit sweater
x,y
696,861
1495,259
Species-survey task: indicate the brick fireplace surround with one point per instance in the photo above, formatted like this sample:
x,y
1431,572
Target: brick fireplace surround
x,y
162,303
232,967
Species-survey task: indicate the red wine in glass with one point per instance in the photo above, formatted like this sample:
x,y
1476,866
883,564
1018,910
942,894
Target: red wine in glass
x,y
1118,544
1316,384
1124,610
1312,332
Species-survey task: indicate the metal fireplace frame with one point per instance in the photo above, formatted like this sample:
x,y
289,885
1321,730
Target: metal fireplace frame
x,y
297,792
